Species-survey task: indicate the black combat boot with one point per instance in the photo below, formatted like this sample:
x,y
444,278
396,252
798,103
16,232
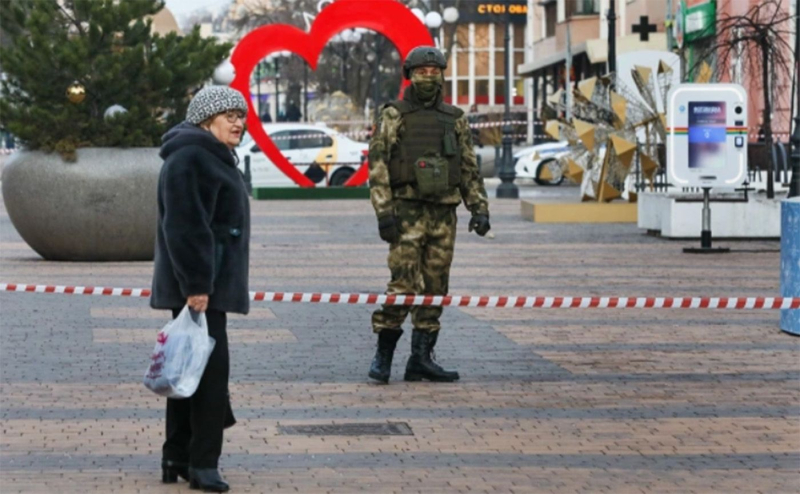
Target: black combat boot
x,y
381,367
420,365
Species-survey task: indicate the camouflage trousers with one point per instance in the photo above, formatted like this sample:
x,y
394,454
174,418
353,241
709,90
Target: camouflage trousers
x,y
419,262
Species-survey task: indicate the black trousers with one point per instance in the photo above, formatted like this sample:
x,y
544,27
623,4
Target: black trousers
x,y
195,424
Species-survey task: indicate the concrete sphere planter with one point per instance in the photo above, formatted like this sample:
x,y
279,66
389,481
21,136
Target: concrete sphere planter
x,y
100,208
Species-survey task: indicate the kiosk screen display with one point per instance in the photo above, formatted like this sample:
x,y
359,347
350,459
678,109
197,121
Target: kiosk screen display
x,y
707,135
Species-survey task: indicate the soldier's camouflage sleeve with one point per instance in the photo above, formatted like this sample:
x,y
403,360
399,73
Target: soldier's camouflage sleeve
x,y
380,148
472,189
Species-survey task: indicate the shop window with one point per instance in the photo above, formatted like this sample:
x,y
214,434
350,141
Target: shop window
x,y
582,7
463,88
481,90
481,63
499,88
550,19
463,62
448,93
499,63
499,35
481,35
462,35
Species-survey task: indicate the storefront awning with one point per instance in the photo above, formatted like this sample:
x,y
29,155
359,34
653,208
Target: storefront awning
x,y
597,51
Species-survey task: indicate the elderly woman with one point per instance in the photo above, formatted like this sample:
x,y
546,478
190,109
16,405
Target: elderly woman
x,y
202,261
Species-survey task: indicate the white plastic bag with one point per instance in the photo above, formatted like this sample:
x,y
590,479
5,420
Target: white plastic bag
x,y
180,356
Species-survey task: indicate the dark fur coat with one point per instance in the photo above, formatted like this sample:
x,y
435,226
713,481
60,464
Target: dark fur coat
x,y
202,243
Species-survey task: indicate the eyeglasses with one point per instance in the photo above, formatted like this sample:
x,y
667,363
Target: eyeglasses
x,y
232,115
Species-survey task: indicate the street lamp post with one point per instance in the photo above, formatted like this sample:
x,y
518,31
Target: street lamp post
x,y
305,92
433,20
794,185
277,90
258,87
274,60
507,188
340,48
612,37
374,57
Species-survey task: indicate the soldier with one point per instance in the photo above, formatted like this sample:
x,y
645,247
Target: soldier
x,y
421,166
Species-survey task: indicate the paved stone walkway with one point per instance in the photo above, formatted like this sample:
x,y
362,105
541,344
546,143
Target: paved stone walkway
x,y
563,401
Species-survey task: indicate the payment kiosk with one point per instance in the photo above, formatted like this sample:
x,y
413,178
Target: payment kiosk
x,y
707,142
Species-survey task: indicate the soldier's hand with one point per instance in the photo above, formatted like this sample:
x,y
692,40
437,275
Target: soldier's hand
x,y
479,223
387,228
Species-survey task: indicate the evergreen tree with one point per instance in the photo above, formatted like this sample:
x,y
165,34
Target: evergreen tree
x,y
107,47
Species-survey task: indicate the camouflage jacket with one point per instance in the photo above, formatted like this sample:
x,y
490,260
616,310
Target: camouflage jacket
x,y
389,128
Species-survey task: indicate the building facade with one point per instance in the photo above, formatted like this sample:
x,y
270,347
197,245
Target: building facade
x,y
575,33
698,34
476,72
578,29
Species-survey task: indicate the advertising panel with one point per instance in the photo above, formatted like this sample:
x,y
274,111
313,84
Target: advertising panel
x,y
707,135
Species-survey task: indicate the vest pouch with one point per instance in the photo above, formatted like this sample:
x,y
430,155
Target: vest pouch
x,y
450,143
431,173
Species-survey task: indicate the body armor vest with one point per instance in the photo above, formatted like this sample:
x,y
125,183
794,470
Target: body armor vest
x,y
427,132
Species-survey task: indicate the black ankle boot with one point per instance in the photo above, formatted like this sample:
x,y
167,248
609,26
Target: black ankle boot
x,y
381,367
420,364
207,480
171,470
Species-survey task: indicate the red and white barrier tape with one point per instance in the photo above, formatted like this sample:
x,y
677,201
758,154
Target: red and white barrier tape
x,y
368,133
486,125
775,137
369,122
763,303
355,133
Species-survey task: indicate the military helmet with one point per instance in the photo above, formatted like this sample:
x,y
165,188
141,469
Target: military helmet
x,y
422,56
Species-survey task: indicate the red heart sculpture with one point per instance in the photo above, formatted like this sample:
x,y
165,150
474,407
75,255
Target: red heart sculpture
x,y
387,17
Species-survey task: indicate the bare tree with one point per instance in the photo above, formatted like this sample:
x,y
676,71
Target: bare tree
x,y
342,66
760,41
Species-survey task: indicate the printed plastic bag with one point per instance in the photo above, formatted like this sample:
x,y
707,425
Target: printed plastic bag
x,y
180,356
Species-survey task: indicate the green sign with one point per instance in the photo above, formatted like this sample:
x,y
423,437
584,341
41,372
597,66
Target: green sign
x,y
680,20
699,21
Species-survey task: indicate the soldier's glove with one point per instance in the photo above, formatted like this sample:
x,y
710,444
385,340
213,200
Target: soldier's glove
x,y
387,228
479,223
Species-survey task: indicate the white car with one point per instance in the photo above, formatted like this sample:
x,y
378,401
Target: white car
x,y
323,155
532,161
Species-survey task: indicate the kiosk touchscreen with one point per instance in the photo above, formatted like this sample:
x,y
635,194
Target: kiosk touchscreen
x,y
707,135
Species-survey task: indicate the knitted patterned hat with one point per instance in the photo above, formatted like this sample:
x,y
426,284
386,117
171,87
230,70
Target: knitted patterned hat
x,y
212,100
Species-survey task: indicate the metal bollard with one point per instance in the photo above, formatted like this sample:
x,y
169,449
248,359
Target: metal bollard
x,y
790,262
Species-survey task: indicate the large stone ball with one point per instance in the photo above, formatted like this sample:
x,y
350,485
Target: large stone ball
x,y
100,208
